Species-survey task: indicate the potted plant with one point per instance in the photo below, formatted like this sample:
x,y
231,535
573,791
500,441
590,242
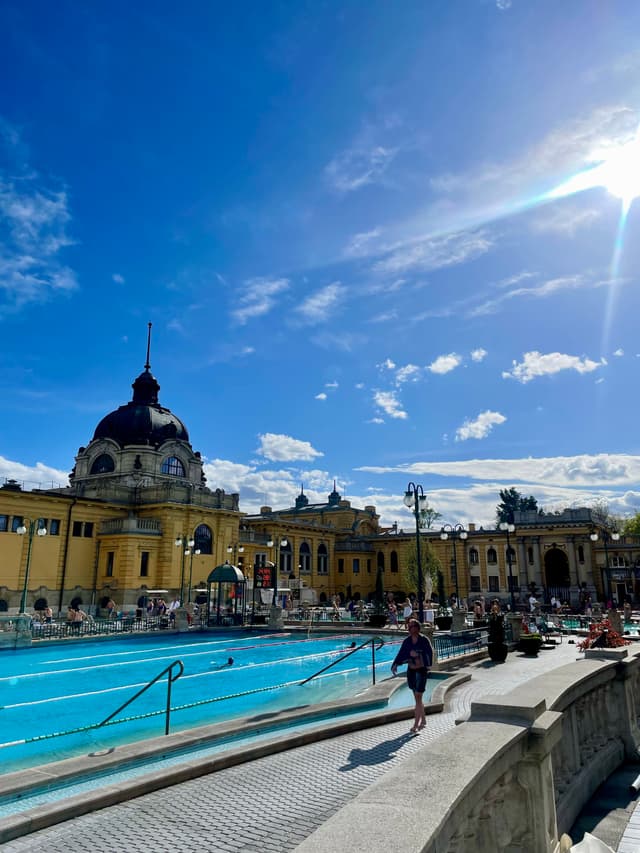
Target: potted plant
x,y
444,618
530,644
497,647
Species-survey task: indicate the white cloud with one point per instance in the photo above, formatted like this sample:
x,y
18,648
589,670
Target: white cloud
x,y
283,448
585,470
258,298
408,373
539,291
619,352
32,476
384,317
360,385
478,354
445,363
34,219
321,396
333,384
564,220
119,279
389,403
432,253
481,427
360,244
387,364
376,421
503,4
358,166
318,307
535,364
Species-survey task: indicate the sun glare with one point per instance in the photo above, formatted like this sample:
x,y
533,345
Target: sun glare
x,y
619,174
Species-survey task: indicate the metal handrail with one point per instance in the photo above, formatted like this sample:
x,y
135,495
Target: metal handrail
x,y
373,642
170,680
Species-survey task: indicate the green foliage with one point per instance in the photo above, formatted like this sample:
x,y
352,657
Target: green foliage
x,y
631,526
428,516
512,501
431,565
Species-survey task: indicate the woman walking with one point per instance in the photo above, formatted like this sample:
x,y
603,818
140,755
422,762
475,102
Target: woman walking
x,y
417,652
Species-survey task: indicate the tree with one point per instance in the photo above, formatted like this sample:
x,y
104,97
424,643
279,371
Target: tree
x,y
427,517
631,526
512,501
431,565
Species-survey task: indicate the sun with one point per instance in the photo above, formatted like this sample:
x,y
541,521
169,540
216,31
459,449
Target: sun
x,y
620,173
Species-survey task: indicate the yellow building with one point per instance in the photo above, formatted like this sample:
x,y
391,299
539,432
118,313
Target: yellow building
x,y
138,517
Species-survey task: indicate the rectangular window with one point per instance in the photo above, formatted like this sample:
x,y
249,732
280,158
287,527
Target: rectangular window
x,y
88,529
144,564
16,522
368,567
77,528
356,565
4,523
494,583
513,584
341,566
474,585
54,527
110,561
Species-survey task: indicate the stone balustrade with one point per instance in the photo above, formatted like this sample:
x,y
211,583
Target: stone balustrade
x,y
510,779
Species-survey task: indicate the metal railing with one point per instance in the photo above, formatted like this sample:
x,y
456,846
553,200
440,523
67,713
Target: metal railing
x,y
100,627
459,643
371,641
171,678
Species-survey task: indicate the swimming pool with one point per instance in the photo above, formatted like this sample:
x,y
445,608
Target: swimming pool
x,y
54,696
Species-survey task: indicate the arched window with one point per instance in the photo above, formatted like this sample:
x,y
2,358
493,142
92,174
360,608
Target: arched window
x,y
380,562
394,561
172,465
511,552
305,558
203,539
103,464
323,560
286,559
474,557
492,557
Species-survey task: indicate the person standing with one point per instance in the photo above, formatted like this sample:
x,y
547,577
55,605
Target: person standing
x,y
407,611
417,652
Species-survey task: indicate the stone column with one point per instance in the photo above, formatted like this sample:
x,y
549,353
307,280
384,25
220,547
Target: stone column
x,y
275,618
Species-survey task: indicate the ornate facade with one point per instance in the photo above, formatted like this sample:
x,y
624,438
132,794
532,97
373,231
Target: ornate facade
x,y
137,496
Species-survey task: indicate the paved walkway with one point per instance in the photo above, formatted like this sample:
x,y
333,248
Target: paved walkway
x,y
272,804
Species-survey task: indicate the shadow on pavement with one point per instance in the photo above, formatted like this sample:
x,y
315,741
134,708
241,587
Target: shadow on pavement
x,y
378,754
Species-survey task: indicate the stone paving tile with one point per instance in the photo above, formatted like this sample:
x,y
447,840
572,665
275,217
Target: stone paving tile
x,y
280,799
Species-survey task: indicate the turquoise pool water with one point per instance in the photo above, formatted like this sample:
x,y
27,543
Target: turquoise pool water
x,y
52,696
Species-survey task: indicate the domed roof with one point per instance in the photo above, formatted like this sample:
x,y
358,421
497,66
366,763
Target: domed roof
x,y
143,420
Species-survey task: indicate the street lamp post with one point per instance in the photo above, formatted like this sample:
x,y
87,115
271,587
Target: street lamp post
x,y
416,498
33,528
607,536
508,528
281,544
453,532
186,543
190,552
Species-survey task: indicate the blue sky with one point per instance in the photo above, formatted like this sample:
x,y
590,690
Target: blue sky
x,y
344,222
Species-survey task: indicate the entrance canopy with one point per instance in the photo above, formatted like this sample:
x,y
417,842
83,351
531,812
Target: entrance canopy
x,y
226,573
229,595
